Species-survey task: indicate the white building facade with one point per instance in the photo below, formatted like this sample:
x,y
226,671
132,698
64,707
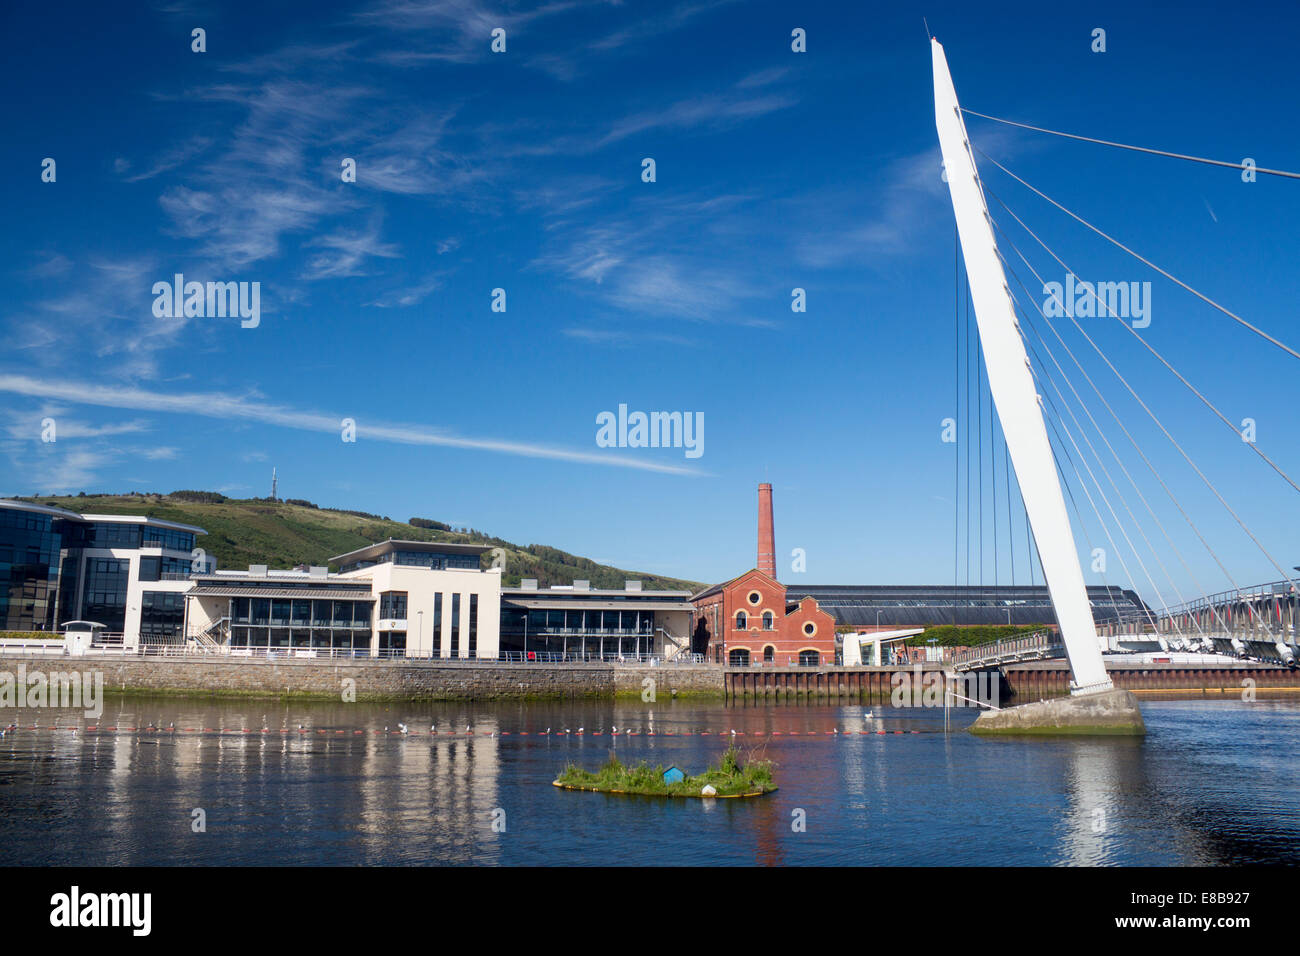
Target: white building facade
x,y
415,599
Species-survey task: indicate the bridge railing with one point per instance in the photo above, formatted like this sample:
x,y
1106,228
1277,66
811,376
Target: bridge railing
x,y
1040,644
1252,593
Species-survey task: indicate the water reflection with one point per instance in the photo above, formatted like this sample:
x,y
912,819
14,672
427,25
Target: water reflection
x,y
337,784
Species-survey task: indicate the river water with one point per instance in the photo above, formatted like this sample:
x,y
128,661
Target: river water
x,y
1212,783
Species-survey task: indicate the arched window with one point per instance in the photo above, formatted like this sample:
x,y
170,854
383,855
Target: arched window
x,y
742,620
769,654
769,620
809,658
739,657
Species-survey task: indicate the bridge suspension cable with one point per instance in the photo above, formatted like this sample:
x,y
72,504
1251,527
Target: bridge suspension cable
x,y
1173,278
1052,421
1118,460
1039,375
1097,427
1209,484
1137,149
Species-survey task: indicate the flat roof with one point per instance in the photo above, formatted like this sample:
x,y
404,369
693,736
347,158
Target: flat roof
x,y
277,577
17,505
885,637
370,552
533,603
143,519
53,512
568,590
254,589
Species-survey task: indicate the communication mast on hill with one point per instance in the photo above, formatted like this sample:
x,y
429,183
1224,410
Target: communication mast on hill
x,y
273,484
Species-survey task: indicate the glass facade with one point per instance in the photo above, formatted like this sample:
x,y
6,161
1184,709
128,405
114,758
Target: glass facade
x,y
112,534
577,631
162,614
438,561
437,623
162,568
47,579
125,534
166,538
455,625
284,623
103,597
473,625
29,570
392,606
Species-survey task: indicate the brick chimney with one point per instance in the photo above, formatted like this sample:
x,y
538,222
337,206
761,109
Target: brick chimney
x,y
766,534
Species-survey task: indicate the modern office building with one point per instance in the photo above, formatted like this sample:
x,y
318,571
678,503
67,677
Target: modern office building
x,y
396,598
580,621
126,572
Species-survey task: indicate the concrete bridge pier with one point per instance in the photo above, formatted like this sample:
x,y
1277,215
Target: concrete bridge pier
x,y
1105,713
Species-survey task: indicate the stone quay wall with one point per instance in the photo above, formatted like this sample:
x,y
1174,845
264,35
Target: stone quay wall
x,y
375,679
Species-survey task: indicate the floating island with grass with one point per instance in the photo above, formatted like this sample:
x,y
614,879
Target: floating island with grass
x,y
729,778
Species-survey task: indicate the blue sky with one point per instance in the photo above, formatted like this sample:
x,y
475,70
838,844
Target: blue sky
x,y
522,171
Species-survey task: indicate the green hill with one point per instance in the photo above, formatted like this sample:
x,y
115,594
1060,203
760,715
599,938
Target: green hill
x,y
283,534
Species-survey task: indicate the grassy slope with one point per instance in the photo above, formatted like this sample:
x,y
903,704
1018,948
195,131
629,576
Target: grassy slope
x,y
250,531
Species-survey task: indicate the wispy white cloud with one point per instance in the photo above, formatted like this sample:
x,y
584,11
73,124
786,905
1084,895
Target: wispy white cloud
x,y
651,261
857,227
715,111
407,295
238,408
169,160
454,31
347,253
105,307
55,265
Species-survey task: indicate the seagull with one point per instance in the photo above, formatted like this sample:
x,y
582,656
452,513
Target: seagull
x,y
433,728
172,727
548,730
467,729
402,728
300,728
614,731
580,730
733,731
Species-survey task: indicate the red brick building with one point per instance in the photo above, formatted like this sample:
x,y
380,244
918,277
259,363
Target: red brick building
x,y
752,618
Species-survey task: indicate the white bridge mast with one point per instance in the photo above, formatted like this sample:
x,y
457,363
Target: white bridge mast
x,y
1014,393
